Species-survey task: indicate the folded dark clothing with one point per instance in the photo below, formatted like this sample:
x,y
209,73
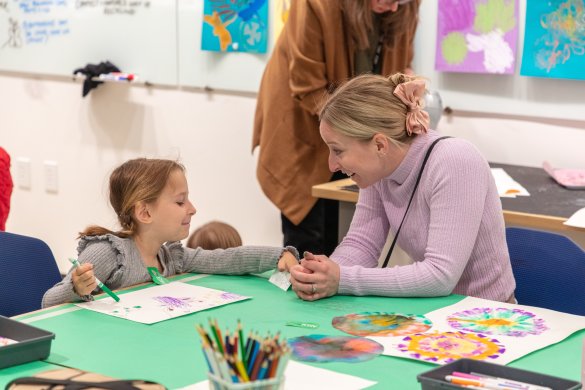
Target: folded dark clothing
x,y
92,70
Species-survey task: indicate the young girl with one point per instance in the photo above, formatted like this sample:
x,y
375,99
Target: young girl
x,y
150,198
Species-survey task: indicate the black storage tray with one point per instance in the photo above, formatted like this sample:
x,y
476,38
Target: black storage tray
x,y
435,378
33,343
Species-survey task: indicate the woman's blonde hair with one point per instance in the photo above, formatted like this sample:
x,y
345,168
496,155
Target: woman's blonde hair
x,y
358,15
136,180
214,235
366,105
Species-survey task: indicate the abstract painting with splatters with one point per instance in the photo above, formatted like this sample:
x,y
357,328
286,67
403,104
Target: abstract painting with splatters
x,y
481,329
235,26
159,303
554,39
381,324
477,36
324,348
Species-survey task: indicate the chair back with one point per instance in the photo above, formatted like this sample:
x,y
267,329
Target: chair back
x,y
549,270
27,270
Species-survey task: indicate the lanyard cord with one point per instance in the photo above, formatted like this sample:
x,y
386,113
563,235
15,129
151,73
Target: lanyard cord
x,y
377,54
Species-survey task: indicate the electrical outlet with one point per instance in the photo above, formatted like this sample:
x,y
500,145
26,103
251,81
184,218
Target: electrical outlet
x,y
23,175
51,176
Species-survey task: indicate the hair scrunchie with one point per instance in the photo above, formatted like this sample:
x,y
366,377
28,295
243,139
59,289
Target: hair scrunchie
x,y
412,94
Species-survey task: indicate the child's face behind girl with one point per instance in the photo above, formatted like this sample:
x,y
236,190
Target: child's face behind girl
x,y
171,213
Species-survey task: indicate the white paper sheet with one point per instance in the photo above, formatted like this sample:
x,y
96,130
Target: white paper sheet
x,y
516,329
577,219
507,187
159,303
280,280
305,377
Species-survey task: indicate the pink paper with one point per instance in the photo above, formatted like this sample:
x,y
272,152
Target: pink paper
x,y
570,178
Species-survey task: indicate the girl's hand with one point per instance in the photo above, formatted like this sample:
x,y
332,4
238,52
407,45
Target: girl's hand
x,y
316,278
83,279
287,261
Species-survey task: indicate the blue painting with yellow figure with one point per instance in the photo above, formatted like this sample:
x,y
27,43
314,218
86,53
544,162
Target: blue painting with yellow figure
x,y
235,25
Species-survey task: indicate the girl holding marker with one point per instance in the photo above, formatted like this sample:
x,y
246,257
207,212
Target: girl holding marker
x,y
151,199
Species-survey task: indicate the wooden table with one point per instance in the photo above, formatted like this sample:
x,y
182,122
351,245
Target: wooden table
x,y
547,207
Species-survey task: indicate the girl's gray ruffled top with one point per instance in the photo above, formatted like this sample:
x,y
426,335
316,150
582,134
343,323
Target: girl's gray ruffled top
x,y
118,264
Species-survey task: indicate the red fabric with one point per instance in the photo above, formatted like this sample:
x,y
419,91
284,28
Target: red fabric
x,y
5,187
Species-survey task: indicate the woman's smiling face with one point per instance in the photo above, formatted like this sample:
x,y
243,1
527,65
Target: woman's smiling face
x,y
365,161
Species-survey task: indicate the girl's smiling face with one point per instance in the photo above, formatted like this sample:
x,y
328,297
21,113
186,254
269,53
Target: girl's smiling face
x,y
173,210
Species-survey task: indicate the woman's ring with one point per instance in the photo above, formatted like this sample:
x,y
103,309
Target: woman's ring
x,y
313,289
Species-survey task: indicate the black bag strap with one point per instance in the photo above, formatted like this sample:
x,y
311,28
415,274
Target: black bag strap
x,y
411,198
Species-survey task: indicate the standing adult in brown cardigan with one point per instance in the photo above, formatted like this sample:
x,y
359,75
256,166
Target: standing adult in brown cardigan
x,y
323,43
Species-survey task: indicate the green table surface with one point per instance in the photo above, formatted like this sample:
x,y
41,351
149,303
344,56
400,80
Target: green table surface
x,y
169,352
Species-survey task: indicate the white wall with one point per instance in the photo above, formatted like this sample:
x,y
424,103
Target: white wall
x,y
46,119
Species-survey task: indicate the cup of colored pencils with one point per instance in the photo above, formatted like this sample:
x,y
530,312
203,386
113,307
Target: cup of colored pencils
x,y
238,363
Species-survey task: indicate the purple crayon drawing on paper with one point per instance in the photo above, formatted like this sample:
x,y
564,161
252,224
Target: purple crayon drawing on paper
x,y
230,296
172,303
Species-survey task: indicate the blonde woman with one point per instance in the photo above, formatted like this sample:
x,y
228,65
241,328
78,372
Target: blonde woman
x,y
436,195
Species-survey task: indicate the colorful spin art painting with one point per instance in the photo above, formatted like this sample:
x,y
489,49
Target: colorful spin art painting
x,y
159,303
498,321
483,330
381,324
477,36
554,39
445,347
235,25
322,348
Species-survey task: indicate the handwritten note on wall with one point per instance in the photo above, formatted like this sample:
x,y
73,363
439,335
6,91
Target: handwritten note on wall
x,y
57,36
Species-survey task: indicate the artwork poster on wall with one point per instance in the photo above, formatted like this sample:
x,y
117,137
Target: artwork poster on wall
x,y
477,36
554,39
235,26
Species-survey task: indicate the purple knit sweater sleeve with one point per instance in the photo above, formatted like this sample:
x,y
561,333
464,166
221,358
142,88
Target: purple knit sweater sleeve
x,y
454,230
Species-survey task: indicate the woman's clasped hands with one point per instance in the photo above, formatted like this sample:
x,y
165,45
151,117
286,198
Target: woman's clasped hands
x,y
315,277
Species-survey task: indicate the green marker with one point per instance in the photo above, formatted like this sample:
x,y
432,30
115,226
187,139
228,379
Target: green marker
x,y
100,284
302,324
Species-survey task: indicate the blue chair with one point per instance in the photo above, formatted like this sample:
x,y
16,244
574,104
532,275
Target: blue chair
x,y
549,269
27,270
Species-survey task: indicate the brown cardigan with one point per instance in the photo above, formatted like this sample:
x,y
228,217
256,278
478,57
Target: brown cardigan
x,y
311,56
